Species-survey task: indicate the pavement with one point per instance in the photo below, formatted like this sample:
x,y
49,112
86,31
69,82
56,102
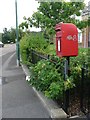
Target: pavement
x,y
19,100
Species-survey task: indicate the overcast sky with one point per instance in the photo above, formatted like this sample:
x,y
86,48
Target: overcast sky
x,y
7,11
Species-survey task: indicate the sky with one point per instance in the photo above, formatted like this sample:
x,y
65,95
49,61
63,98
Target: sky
x,y
7,12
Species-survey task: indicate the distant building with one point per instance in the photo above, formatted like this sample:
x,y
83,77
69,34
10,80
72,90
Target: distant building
x,y
86,31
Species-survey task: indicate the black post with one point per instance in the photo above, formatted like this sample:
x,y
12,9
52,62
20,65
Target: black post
x,y
68,60
82,90
67,69
88,94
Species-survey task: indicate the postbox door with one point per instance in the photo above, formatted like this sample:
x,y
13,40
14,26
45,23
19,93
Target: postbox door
x,y
69,40
66,39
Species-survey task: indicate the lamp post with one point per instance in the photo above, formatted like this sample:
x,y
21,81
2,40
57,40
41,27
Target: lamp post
x,y
17,36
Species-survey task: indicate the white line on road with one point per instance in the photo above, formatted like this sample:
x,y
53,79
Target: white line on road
x,y
7,61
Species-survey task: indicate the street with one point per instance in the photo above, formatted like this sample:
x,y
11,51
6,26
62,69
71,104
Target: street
x,y
7,49
5,53
17,98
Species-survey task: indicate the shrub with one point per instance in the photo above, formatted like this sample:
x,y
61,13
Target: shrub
x,y
77,63
36,42
47,79
55,90
44,74
48,75
32,41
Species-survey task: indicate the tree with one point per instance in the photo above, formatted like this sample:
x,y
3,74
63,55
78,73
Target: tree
x,y
5,36
9,36
13,34
51,13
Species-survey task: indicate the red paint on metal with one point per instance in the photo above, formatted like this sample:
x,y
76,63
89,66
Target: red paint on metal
x,y
66,39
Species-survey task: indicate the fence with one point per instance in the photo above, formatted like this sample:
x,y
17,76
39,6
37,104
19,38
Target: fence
x,y
76,99
34,56
85,90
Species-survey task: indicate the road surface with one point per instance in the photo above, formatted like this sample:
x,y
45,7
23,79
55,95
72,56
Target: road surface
x,y
7,49
5,53
17,98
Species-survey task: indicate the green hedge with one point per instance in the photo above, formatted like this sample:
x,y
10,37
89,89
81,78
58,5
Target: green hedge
x,y
36,42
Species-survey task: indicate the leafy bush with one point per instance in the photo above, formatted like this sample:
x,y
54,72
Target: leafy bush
x,y
81,59
44,73
77,63
55,90
32,41
47,79
23,48
48,75
36,42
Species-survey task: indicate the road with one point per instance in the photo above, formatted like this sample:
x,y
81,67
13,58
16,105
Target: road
x,y
17,98
5,53
7,49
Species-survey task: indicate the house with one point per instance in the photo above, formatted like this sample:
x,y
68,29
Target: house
x,y
86,31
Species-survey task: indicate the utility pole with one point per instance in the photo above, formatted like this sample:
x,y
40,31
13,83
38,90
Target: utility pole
x,y
17,36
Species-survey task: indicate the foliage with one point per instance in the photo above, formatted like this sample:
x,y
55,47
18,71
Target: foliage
x,y
69,83
55,90
48,77
50,50
49,80
12,33
81,58
5,36
35,41
77,63
51,13
45,77
9,36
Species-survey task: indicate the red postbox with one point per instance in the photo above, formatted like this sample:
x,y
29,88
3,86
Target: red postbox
x,y
66,39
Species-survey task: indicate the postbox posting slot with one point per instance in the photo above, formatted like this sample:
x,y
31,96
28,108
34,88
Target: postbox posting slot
x,y
57,30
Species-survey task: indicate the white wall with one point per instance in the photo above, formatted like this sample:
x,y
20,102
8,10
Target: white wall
x,y
79,36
